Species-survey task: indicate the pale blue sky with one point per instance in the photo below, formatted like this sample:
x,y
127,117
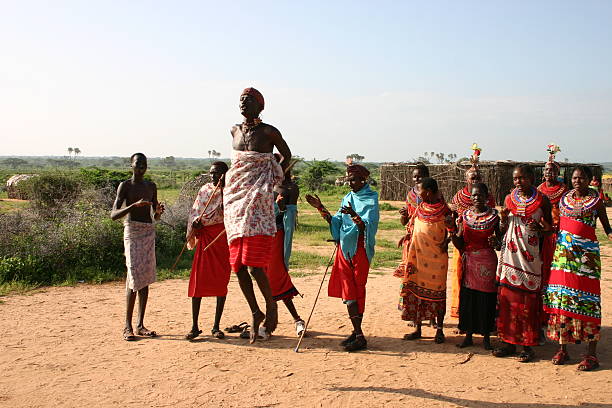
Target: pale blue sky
x,y
386,79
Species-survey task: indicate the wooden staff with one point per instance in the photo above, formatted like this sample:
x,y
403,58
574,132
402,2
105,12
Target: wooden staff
x,y
178,258
297,348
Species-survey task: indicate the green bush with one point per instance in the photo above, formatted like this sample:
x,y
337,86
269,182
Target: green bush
x,y
50,189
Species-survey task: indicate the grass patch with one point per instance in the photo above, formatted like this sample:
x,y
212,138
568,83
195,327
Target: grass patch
x,y
387,207
17,287
6,206
168,195
603,239
388,258
305,260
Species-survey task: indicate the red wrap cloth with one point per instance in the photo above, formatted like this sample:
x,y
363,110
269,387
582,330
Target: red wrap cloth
x,y
250,251
349,277
516,321
210,271
277,273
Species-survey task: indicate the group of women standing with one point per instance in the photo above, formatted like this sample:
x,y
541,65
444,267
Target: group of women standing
x,y
546,278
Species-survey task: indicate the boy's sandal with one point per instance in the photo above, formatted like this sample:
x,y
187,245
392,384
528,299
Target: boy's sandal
x,y
192,334
526,356
143,331
561,357
128,335
217,334
588,363
237,328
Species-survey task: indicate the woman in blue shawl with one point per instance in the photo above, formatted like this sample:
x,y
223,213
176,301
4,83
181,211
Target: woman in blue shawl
x,y
354,228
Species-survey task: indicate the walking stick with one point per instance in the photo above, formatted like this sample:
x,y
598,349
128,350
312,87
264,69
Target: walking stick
x,y
178,258
297,348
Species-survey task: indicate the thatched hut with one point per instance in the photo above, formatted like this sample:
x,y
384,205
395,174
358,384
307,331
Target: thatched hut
x,y
11,186
396,178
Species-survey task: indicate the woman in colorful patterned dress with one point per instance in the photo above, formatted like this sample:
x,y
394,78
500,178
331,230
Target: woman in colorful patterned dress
x,y
572,297
423,292
553,189
412,201
477,237
519,274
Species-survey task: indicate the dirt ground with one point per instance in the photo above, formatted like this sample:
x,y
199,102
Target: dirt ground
x,y
62,346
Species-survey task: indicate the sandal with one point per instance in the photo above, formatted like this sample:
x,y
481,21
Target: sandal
x,y
245,334
526,356
412,336
359,343
349,339
128,335
217,334
143,331
504,351
300,326
561,357
237,328
193,334
588,363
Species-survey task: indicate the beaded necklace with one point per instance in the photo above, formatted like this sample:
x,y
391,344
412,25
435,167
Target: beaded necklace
x,y
571,206
413,199
521,203
463,199
553,193
480,221
431,213
247,130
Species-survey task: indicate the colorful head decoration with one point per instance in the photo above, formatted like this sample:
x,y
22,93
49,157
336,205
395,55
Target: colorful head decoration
x,y
475,159
552,150
255,94
358,170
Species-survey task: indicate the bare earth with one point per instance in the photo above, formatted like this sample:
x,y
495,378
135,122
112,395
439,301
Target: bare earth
x,y
63,347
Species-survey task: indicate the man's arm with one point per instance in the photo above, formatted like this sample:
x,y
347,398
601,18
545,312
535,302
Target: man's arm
x,y
277,140
118,212
158,207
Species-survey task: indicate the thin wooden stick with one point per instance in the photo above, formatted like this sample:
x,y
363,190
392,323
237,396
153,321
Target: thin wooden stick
x,y
214,240
297,348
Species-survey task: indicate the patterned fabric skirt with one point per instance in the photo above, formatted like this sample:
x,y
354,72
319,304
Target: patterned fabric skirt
x,y
418,310
477,311
567,330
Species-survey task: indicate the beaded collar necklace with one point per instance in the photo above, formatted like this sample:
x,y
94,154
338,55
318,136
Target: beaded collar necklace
x,y
432,212
413,199
571,206
480,221
463,199
553,193
521,203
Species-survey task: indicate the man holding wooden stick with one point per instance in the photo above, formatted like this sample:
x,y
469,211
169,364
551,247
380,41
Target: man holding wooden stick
x,y
210,271
248,201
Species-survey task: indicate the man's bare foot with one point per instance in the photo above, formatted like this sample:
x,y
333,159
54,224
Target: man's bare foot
x,y
143,331
439,337
271,317
258,318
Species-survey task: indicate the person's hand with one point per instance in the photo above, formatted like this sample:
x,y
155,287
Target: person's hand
x,y
450,221
314,201
279,198
141,203
403,211
347,209
197,224
610,236
160,209
503,214
401,241
492,241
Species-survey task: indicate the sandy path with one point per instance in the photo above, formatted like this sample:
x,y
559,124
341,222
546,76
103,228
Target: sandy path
x,y
63,347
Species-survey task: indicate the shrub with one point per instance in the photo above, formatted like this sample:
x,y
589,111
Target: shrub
x,y
50,189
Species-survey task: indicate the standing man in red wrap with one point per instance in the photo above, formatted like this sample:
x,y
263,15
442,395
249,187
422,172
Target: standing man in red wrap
x,y
248,201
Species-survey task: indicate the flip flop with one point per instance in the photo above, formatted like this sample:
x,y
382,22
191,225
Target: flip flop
x,y
526,356
237,328
588,363
561,357
192,334
245,334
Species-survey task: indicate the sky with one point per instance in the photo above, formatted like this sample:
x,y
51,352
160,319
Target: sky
x,y
388,80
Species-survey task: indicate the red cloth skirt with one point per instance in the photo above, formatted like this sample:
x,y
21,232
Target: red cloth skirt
x,y
250,251
210,271
518,320
348,278
276,271
548,250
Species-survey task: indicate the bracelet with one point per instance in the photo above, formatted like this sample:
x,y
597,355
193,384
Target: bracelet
x,y
357,220
323,211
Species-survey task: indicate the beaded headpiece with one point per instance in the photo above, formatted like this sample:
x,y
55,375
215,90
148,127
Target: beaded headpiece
x,y
552,150
475,158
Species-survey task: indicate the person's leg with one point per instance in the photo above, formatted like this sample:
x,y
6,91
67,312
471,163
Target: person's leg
x,y
486,342
467,341
271,308
246,285
130,301
143,296
291,308
439,338
359,342
219,311
195,313
590,361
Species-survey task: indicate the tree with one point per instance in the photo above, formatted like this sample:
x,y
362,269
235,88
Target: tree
x,y
209,153
356,157
314,176
169,161
14,162
76,151
70,150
